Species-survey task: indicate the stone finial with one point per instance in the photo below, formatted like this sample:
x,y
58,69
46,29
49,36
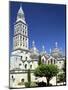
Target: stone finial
x,y
50,50
56,44
43,48
33,43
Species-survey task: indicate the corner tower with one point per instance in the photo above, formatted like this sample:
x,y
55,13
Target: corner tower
x,y
20,39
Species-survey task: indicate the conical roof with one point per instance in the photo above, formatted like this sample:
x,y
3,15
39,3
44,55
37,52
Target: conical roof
x,y
20,11
20,15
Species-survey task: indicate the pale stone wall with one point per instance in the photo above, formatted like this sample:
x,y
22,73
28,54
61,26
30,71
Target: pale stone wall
x,y
60,64
19,77
53,81
17,80
35,64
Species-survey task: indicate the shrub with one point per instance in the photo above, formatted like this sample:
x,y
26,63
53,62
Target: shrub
x,y
61,77
33,84
27,84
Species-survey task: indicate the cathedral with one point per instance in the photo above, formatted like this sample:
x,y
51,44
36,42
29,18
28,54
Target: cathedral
x,y
23,58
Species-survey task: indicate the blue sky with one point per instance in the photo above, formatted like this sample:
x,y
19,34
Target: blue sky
x,y
46,23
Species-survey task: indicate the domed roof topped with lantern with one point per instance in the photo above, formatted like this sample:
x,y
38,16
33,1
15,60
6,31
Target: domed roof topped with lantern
x,y
43,52
56,52
34,51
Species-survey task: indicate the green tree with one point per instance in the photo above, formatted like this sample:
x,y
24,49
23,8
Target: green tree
x,y
39,61
47,71
61,77
64,66
29,77
64,70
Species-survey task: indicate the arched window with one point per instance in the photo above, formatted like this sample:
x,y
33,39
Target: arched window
x,y
30,66
21,57
22,80
20,37
25,66
23,32
23,38
48,61
13,78
51,61
16,58
20,64
26,58
42,60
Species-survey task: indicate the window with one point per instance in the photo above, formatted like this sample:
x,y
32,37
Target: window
x,y
51,61
19,64
16,44
25,66
25,33
20,37
26,58
16,58
22,80
12,77
43,60
23,45
48,61
21,57
30,66
20,44
25,27
60,62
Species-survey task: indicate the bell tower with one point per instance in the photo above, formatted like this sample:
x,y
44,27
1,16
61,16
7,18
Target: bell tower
x,y
20,39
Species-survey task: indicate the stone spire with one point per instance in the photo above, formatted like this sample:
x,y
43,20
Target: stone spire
x,y
20,11
20,14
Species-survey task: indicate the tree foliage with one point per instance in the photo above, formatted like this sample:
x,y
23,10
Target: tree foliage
x,y
61,77
64,66
39,61
47,71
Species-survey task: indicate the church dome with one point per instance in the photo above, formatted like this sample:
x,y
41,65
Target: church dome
x,y
56,52
43,52
34,51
